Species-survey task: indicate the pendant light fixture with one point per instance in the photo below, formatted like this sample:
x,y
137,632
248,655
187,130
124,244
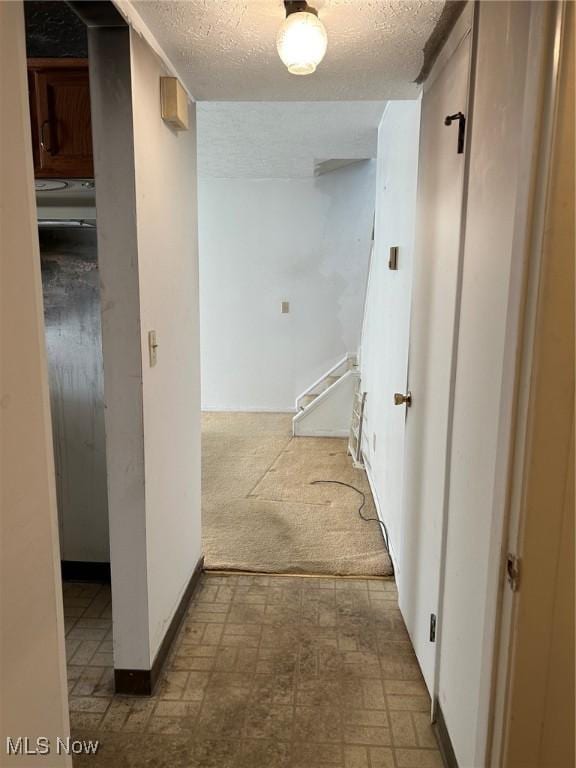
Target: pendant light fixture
x,y
302,39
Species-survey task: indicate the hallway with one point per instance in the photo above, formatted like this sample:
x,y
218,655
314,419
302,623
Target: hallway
x,y
267,672
281,664
270,671
237,243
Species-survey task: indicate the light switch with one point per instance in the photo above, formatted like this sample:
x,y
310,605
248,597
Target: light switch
x,y
285,307
152,347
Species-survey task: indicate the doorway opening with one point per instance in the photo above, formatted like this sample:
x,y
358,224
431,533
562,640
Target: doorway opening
x,y
285,235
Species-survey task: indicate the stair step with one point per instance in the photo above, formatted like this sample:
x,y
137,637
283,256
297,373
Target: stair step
x,y
306,400
324,384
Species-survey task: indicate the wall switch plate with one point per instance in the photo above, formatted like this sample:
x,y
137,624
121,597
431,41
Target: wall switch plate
x,y
152,347
285,307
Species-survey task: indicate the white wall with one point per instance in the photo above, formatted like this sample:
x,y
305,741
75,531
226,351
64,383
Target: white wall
x,y
166,211
33,693
384,356
469,602
264,241
146,205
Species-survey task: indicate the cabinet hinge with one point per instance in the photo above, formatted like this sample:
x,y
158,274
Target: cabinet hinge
x,y
513,571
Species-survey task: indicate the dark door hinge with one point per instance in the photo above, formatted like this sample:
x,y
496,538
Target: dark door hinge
x,y
432,627
448,120
513,571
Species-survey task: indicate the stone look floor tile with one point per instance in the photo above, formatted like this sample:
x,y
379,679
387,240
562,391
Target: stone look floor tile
x,y
356,757
84,720
88,704
265,754
418,758
267,672
183,709
381,758
87,681
424,734
403,733
270,722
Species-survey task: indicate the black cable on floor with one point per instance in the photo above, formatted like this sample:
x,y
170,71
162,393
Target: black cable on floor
x,y
360,508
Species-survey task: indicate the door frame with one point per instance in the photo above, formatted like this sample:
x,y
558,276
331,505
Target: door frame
x,y
541,101
473,32
466,25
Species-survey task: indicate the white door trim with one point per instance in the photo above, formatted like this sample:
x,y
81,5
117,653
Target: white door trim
x,y
540,104
472,20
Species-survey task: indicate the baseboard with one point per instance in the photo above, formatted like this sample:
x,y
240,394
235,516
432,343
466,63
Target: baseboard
x,y
443,738
245,409
142,682
324,433
368,470
80,570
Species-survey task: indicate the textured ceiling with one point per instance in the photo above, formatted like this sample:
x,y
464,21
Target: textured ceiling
x,y
283,139
225,49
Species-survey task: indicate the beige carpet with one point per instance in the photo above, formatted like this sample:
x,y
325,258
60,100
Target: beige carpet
x,y
261,513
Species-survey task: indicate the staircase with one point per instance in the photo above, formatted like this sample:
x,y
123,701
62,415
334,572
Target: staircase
x,y
325,408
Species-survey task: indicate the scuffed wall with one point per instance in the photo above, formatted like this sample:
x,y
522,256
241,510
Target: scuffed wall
x,y
148,258
385,332
74,347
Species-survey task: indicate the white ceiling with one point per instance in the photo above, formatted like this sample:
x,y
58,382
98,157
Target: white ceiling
x,y
283,139
225,49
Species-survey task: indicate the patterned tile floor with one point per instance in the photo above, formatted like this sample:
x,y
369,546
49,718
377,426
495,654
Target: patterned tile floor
x,y
267,672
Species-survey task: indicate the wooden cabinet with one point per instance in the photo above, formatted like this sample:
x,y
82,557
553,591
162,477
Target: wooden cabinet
x,y
60,116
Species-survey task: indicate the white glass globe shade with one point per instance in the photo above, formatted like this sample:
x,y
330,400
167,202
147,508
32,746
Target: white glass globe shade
x,y
302,42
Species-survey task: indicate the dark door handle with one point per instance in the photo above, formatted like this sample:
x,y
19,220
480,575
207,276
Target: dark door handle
x,y
461,128
43,144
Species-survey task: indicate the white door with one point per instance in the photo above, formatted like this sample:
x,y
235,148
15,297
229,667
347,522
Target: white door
x,y
432,328
385,333
390,303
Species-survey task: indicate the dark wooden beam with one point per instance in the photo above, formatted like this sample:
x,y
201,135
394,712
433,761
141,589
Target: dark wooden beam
x,y
97,13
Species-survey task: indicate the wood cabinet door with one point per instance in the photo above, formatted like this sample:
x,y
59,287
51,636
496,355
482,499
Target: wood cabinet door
x,y
62,133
